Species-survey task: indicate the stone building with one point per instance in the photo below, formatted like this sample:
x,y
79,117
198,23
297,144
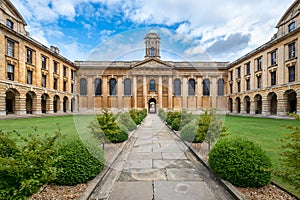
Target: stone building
x,y
267,80
151,83
34,79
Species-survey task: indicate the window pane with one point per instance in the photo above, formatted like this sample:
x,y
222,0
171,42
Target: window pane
x,y
112,87
152,85
10,48
83,86
220,87
127,87
177,87
98,86
191,87
206,87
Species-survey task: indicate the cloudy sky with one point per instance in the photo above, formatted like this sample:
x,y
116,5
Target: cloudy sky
x,y
115,29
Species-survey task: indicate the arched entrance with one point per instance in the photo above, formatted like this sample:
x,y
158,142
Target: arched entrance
x,y
55,103
152,105
247,104
238,104
30,96
65,104
72,104
230,105
291,97
45,98
10,97
258,102
273,103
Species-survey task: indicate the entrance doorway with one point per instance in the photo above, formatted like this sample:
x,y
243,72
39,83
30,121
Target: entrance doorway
x,y
152,105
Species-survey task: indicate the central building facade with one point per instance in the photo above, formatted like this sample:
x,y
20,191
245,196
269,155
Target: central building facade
x,y
151,83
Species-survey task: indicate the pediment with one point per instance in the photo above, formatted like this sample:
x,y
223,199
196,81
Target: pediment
x,y
292,11
11,10
152,63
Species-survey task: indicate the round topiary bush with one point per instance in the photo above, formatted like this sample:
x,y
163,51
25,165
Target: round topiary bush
x,y
241,162
125,118
189,132
76,165
176,124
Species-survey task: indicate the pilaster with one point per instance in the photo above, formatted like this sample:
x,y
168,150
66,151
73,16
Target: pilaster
x,y
170,92
160,98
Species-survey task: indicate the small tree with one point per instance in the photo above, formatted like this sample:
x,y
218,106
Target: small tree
x,y
290,158
211,125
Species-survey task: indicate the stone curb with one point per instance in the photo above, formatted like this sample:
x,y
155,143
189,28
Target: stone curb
x,y
235,193
92,185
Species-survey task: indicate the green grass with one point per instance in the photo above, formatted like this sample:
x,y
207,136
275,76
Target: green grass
x,y
266,133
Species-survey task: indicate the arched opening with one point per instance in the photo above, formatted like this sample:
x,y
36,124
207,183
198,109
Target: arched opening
x,y
45,98
273,103
258,103
55,103
230,105
291,97
247,104
112,87
30,96
10,101
152,105
238,104
65,104
72,104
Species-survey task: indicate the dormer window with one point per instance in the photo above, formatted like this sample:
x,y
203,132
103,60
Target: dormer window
x,y
292,26
9,24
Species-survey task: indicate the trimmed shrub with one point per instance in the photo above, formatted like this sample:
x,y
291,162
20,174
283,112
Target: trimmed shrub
x,y
189,132
162,114
125,118
110,128
241,162
171,116
138,115
76,165
26,164
176,124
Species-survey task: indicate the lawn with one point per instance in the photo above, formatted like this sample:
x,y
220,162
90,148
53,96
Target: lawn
x,y
266,133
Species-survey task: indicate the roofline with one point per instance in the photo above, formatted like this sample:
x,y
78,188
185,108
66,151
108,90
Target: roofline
x,y
286,13
15,10
263,47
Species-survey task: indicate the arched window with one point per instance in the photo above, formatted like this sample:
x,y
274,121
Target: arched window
x,y
113,87
83,86
191,87
127,87
220,87
98,87
177,87
152,85
206,87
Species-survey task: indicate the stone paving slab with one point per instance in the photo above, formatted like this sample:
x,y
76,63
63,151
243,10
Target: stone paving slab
x,y
143,156
183,174
174,156
179,190
159,164
142,190
143,175
138,164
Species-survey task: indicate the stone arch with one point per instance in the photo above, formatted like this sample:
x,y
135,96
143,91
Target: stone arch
x,y
291,101
258,104
247,104
230,105
45,103
30,100
10,100
152,105
272,98
238,104
56,103
65,104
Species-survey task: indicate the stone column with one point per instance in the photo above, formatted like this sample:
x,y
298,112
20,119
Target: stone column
x,y
282,106
243,106
37,105
134,92
214,92
184,92
199,92
252,107
265,106
2,105
120,91
60,104
49,105
105,91
20,106
298,103
160,98
170,93
145,92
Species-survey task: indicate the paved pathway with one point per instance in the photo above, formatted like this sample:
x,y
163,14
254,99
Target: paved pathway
x,y
158,166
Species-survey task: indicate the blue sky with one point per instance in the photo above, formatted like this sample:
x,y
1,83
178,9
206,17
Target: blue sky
x,y
192,30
